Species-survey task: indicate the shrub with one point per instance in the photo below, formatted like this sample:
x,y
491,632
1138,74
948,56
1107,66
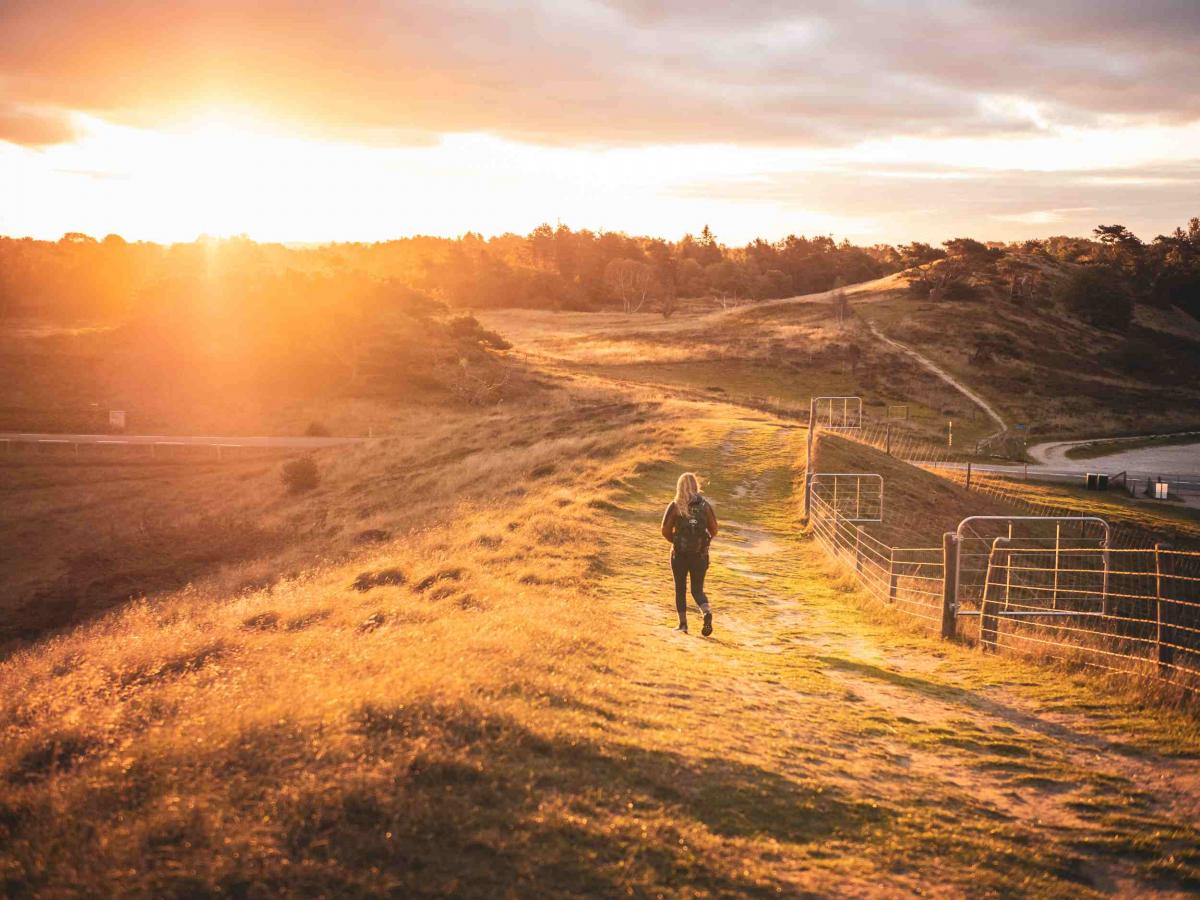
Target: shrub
x,y
1099,296
1137,356
300,475
317,429
961,290
467,328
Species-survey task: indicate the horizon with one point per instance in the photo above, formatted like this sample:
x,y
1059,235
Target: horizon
x,y
163,123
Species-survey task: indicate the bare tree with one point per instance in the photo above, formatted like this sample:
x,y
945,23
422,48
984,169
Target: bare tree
x,y
630,281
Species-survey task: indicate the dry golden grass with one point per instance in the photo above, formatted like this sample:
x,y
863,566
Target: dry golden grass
x,y
490,701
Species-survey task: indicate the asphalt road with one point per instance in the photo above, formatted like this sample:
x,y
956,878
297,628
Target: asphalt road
x,y
1173,459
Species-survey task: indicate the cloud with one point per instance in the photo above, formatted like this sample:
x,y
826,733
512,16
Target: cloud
x,y
622,72
932,203
1041,216
34,128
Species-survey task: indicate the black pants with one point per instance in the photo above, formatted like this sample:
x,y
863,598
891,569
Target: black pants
x,y
695,565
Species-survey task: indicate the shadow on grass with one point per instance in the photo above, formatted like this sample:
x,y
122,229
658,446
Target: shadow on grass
x,y
422,800
978,702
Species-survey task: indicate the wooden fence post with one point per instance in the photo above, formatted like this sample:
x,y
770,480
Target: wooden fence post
x,y
968,476
1163,635
949,583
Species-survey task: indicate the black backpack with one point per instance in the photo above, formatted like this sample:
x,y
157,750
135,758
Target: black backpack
x,y
691,531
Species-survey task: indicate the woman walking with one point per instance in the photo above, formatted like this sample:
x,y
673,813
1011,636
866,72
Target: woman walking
x,y
690,524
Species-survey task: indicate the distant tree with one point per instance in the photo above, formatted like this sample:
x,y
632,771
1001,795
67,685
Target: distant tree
x,y
969,248
708,251
1124,251
1099,296
630,281
725,279
690,278
917,254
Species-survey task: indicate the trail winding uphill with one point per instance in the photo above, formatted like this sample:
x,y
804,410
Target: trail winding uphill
x,y
945,376
882,761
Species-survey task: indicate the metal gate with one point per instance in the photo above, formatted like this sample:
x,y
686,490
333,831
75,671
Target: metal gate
x,y
855,496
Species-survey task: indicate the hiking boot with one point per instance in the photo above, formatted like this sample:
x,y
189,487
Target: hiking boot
x,y
707,629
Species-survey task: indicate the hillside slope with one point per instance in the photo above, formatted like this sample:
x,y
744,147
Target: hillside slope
x,y
1047,369
493,702
1038,366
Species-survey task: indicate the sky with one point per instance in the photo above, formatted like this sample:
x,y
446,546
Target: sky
x,y
873,121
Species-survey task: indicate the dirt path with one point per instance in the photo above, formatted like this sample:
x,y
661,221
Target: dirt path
x,y
944,376
997,776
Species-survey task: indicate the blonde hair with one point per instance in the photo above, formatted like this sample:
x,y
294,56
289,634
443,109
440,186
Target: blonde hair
x,y
687,489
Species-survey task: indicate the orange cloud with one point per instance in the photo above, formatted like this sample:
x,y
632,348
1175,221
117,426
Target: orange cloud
x,y
626,72
34,128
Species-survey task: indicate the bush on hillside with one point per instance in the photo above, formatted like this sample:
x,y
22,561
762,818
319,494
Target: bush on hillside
x,y
316,429
1137,357
1099,296
467,328
990,346
961,290
300,475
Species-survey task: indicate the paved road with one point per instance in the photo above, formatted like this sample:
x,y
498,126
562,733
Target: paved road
x,y
1181,482
28,437
1174,459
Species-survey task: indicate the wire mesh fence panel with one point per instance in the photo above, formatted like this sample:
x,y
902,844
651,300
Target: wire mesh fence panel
x,y
857,496
1126,610
910,578
1046,581
836,412
1049,538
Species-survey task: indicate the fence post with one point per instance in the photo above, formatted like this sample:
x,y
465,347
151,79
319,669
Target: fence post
x,y
968,476
1162,615
949,583
808,458
893,578
1106,556
888,438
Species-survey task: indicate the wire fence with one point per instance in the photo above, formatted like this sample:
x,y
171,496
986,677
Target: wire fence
x,y
1037,582
1011,487
1134,611
909,577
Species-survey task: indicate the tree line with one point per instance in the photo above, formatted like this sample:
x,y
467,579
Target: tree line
x,y
80,277
113,280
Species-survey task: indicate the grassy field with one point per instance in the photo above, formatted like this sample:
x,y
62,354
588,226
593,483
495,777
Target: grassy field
x,y
451,670
776,355
492,698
